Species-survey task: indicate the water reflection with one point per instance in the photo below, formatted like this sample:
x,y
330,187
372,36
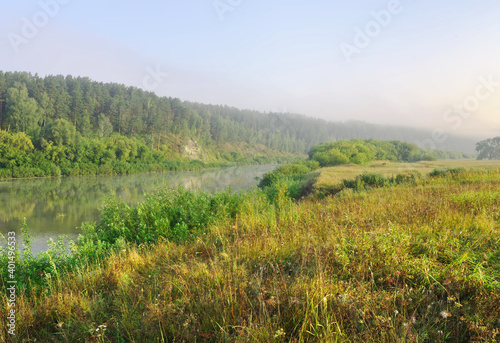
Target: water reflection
x,y
54,207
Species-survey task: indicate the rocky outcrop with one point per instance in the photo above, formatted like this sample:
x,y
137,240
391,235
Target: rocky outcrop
x,y
193,151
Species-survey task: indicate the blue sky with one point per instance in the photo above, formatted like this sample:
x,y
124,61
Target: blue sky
x,y
418,65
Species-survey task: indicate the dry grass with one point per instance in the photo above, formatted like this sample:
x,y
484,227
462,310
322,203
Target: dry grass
x,y
332,176
403,264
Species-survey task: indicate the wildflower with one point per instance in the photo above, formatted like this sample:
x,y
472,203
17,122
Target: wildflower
x,y
445,314
279,333
396,312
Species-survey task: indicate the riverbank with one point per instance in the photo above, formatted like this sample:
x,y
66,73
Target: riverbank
x,y
23,157
411,262
58,206
117,168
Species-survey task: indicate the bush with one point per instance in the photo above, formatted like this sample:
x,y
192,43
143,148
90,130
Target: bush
x,y
446,172
372,179
176,215
410,177
295,172
5,173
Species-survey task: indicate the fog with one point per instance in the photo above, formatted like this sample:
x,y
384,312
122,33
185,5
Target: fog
x,y
417,64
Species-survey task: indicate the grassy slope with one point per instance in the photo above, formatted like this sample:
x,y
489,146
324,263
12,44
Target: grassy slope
x,y
402,264
331,176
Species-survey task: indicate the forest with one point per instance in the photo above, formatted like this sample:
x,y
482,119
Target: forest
x,y
64,125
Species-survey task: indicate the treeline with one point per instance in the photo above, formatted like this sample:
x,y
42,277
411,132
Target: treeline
x,y
69,154
299,178
489,149
28,103
362,151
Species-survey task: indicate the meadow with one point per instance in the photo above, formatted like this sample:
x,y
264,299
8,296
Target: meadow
x,y
331,176
410,261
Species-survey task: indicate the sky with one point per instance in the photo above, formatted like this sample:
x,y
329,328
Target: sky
x,y
417,63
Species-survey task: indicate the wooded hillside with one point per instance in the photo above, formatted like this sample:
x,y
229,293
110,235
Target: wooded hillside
x,y
29,103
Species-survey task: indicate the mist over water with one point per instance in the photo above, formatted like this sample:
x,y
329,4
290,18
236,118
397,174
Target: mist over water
x,y
58,206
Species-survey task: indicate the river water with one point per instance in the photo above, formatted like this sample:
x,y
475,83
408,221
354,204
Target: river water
x,y
58,206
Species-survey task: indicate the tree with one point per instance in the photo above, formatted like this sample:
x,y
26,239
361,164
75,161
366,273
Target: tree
x,y
60,132
22,112
46,108
489,149
59,96
3,89
104,126
17,142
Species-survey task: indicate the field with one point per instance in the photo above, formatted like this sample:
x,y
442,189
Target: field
x,y
332,176
415,262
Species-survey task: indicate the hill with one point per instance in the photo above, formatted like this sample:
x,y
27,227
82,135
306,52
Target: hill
x,y
28,103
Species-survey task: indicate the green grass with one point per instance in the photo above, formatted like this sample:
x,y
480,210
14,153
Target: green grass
x,y
330,178
408,262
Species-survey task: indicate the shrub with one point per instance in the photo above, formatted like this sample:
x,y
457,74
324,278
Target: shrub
x,y
176,215
372,179
5,173
295,180
410,177
446,172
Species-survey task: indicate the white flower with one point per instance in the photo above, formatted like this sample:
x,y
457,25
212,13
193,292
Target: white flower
x,y
445,314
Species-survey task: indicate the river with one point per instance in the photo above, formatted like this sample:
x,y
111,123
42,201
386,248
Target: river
x,y
58,206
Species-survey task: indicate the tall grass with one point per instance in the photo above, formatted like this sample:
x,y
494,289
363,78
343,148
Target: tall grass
x,y
414,262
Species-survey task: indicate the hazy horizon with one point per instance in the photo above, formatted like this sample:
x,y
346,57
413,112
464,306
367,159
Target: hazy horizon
x,y
400,63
